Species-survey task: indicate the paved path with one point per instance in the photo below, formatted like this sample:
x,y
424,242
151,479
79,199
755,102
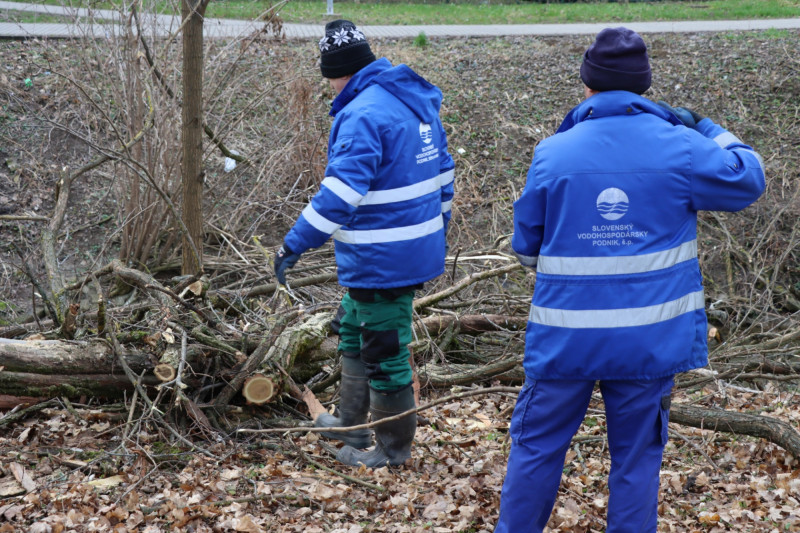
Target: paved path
x,y
231,29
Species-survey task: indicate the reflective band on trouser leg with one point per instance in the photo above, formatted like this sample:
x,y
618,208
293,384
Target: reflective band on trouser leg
x,y
637,413
349,327
385,334
547,415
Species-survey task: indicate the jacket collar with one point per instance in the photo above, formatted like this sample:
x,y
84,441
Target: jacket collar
x,y
360,81
614,103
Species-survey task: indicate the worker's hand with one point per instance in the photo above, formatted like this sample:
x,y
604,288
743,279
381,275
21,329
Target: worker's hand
x,y
684,114
285,258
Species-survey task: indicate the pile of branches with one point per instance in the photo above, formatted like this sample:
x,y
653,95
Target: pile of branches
x,y
226,358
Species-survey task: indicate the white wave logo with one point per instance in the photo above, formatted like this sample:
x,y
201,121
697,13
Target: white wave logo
x,y
612,204
425,132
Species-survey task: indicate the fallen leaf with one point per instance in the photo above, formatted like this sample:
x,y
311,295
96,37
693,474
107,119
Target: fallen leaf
x,y
230,474
22,476
107,482
247,525
10,487
24,435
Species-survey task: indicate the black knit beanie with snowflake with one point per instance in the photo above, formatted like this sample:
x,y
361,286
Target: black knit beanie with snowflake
x,y
344,50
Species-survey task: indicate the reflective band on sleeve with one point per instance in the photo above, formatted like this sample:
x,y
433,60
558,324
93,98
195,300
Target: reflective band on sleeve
x,y
409,192
527,260
753,153
405,233
617,318
609,266
342,190
446,206
319,222
447,177
726,139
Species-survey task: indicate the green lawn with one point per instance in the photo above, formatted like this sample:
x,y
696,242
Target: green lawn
x,y
519,13
459,12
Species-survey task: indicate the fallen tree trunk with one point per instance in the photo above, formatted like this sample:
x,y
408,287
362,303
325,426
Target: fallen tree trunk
x,y
65,357
44,369
763,427
69,385
474,324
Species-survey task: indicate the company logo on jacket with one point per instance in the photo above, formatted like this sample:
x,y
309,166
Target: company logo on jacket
x,y
612,203
428,152
425,132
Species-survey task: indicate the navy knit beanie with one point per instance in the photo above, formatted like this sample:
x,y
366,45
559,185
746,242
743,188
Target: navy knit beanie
x,y
617,60
344,50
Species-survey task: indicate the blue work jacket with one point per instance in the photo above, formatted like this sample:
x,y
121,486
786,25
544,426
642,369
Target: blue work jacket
x,y
608,218
388,184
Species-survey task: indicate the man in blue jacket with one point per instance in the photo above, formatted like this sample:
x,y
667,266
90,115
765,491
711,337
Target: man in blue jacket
x,y
385,200
608,219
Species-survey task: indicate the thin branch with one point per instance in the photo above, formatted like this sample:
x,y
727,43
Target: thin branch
x,y
458,396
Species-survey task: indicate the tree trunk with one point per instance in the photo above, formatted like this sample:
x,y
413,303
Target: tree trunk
x,y
192,135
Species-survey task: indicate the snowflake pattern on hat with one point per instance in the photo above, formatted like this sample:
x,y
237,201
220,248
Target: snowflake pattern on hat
x,y
340,37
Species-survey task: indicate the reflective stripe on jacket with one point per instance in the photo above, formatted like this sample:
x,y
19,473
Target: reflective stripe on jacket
x,y
608,218
388,184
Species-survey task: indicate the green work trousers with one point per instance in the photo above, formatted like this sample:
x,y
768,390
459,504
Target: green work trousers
x,y
380,331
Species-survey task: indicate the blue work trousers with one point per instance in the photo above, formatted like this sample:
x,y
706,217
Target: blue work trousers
x,y
548,414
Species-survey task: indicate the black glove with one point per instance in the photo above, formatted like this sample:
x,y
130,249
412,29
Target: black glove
x,y
684,114
285,258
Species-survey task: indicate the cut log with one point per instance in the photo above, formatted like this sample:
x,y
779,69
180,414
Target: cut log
x,y
258,389
65,358
167,366
106,385
164,372
45,369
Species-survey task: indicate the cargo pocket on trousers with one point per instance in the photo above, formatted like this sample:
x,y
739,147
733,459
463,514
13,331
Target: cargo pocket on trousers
x,y
666,401
517,428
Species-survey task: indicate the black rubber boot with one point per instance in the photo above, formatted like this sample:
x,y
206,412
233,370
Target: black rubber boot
x,y
392,439
353,405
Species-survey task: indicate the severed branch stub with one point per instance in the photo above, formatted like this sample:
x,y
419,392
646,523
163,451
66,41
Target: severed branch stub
x,y
258,389
164,372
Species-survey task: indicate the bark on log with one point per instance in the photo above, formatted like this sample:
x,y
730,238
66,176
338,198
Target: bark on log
x,y
764,427
44,368
474,324
70,385
64,357
297,340
9,402
508,370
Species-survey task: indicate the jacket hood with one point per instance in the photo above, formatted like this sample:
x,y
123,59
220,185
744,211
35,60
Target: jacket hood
x,y
419,95
615,103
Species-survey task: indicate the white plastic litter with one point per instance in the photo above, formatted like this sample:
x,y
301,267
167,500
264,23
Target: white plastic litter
x,y
230,164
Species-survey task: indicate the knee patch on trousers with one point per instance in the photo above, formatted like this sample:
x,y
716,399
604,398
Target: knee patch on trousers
x,y
376,347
